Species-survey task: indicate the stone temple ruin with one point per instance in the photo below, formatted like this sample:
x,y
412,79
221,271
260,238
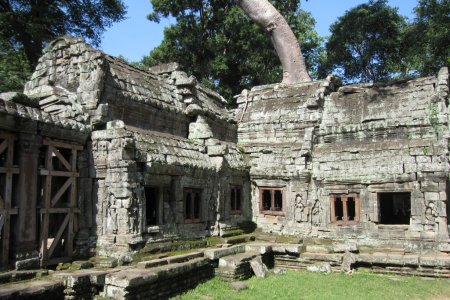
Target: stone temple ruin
x,y
99,158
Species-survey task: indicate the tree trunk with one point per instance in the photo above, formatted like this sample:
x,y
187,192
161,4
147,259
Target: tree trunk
x,y
283,39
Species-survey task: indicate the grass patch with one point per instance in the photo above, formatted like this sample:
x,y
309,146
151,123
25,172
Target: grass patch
x,y
304,285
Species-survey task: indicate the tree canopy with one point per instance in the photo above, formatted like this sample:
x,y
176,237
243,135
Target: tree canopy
x,y
26,26
224,49
428,37
366,43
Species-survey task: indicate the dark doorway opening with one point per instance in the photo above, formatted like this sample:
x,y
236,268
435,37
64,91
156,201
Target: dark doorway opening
x,y
394,208
152,205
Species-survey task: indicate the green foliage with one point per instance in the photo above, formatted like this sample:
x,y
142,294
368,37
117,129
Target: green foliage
x,y
224,49
27,26
14,71
366,43
428,37
306,285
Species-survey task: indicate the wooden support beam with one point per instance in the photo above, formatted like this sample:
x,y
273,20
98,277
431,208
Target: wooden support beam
x,y
61,191
2,220
3,146
58,210
61,158
47,205
7,135
59,173
13,170
58,236
64,145
5,239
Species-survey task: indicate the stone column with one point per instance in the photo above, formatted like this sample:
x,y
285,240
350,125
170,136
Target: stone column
x,y
26,235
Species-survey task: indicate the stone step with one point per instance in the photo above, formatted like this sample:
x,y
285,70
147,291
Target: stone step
x,y
11,276
237,240
236,266
237,259
217,253
37,290
231,233
82,284
169,260
159,282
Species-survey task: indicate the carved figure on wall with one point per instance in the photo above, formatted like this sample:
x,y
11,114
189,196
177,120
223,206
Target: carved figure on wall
x,y
111,212
301,210
430,211
315,211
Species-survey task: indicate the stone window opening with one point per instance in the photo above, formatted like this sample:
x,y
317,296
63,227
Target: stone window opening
x,y
192,205
271,201
152,202
345,209
236,199
394,208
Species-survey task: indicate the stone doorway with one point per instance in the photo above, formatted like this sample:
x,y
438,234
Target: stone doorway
x,y
394,208
152,199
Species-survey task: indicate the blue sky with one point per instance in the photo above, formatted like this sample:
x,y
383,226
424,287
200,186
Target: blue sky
x,y
136,36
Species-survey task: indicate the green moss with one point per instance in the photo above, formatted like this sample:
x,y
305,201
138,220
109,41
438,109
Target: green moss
x,y
213,241
156,250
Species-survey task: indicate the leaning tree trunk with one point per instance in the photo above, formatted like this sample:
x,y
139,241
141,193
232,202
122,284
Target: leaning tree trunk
x,y
283,39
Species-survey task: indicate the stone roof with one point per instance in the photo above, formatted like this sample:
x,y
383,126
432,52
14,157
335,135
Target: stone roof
x,y
34,114
72,79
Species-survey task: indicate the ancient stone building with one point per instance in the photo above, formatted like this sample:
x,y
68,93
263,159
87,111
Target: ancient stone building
x,y
101,158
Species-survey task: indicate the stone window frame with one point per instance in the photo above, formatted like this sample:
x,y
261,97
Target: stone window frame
x,y
192,218
235,189
272,196
344,197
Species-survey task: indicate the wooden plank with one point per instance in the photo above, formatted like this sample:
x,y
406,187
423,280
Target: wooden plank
x,y
10,211
61,158
59,173
2,219
13,170
3,146
65,145
58,210
61,191
5,238
73,204
58,236
10,160
7,135
8,191
74,160
47,202
70,235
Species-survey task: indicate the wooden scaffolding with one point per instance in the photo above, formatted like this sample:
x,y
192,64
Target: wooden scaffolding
x,y
7,172
58,208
